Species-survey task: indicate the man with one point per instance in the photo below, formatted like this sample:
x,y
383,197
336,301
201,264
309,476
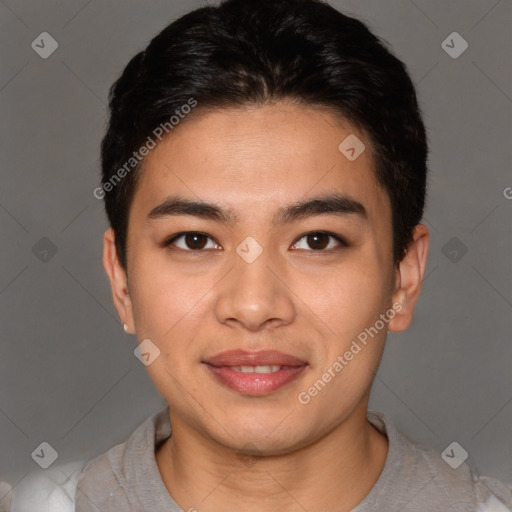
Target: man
x,y
264,175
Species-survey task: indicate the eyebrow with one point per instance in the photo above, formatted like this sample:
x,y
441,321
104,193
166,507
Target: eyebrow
x,y
334,204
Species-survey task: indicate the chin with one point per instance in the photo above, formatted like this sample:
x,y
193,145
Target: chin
x,y
263,438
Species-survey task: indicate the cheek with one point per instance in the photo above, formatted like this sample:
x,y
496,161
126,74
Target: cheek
x,y
162,297
169,309
349,306
348,298
350,303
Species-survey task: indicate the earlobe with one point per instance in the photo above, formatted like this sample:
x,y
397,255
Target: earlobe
x,y
409,279
118,280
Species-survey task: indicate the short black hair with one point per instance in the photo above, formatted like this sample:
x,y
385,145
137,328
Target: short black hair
x,y
253,52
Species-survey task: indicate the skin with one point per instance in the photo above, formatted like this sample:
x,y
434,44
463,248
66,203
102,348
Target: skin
x,y
230,451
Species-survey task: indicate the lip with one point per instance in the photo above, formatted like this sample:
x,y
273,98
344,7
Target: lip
x,y
260,358
255,384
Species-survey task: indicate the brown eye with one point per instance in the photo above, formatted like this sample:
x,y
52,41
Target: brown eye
x,y
195,240
319,241
191,241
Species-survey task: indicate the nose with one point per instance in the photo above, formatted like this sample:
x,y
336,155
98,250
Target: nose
x,y
254,295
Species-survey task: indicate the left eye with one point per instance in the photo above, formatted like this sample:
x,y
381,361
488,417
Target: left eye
x,y
319,241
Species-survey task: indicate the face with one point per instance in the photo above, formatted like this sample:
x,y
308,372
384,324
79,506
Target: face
x,y
258,294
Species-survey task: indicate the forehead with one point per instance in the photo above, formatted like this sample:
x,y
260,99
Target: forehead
x,y
255,159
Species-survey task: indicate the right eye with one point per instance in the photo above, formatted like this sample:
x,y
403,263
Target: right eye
x,y
191,241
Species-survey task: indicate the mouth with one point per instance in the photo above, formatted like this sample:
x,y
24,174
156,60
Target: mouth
x,y
255,373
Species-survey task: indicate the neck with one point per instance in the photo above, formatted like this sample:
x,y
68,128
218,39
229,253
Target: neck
x,y
335,472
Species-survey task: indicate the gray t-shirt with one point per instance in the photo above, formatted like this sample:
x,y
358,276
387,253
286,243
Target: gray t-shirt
x,y
414,479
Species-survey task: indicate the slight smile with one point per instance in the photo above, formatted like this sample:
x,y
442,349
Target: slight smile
x,y
255,373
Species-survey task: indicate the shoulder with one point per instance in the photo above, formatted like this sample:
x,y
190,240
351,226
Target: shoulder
x,y
421,477
461,484
113,480
100,487
50,489
68,488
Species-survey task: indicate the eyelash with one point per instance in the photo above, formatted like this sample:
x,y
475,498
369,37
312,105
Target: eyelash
x,y
342,242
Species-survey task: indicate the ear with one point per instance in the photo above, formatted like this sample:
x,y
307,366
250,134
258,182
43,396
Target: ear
x,y
118,281
409,278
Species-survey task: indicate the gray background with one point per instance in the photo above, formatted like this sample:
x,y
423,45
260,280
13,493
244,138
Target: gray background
x,y
67,369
